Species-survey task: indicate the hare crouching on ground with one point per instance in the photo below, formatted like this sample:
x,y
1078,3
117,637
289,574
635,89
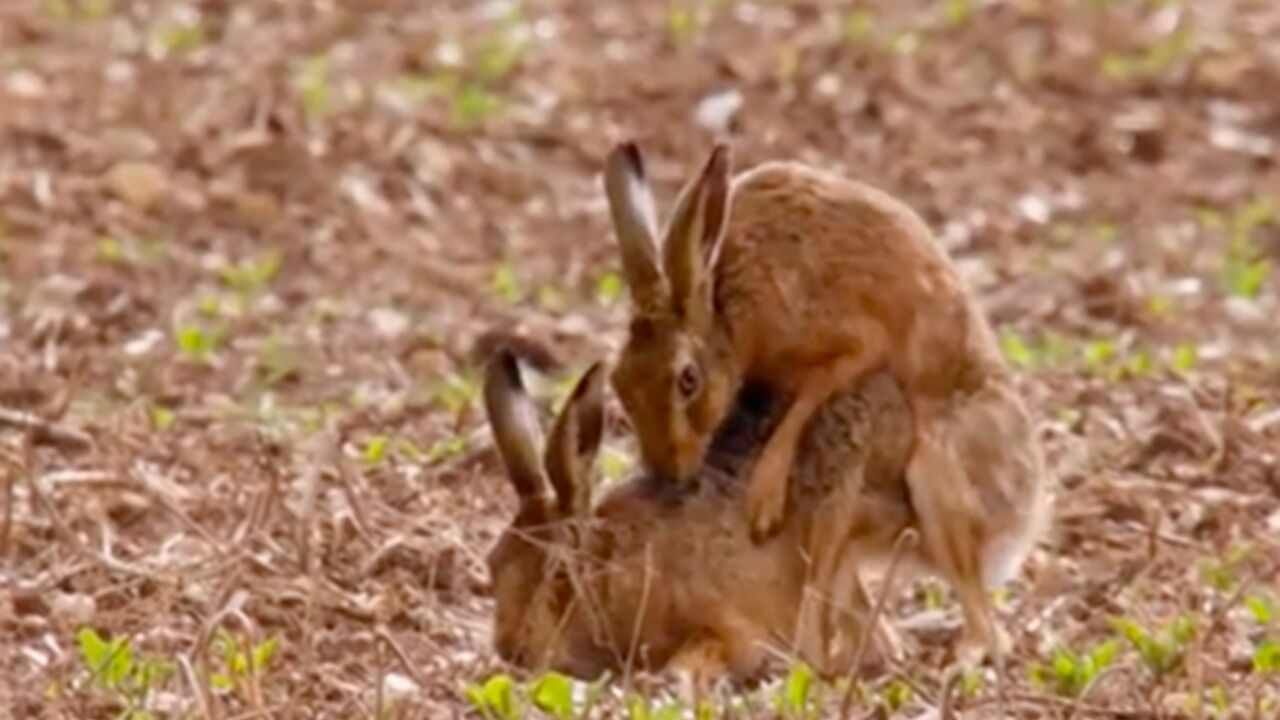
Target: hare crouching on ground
x,y
807,281
658,575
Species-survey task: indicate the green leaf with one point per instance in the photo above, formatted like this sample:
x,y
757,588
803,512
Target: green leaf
x,y
263,653
1266,657
93,648
473,103
506,283
970,683
1262,607
499,697
858,24
375,450
1016,349
314,83
614,464
796,691
895,695
1098,353
161,418
445,449
221,682
121,662
956,11
1184,357
1105,654
197,341
609,288
455,392
553,694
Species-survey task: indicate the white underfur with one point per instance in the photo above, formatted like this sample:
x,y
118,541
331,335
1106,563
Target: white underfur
x,y
1002,556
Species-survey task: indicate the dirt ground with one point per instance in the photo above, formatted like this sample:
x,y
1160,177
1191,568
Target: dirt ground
x,y
250,252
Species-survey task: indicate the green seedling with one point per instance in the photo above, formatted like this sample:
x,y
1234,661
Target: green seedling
x,y
1071,674
275,363
553,694
445,449
797,698
1183,358
957,12
1163,650
249,278
375,450
128,677
858,24
1262,607
932,595
198,341
1223,574
314,81
160,418
1245,268
1097,354
615,465
455,392
181,37
240,665
683,25
506,283
82,10
495,699
1266,657
130,252
895,695
610,288
473,103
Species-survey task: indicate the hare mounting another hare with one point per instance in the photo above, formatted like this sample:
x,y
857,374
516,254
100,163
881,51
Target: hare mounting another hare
x,y
807,282
658,575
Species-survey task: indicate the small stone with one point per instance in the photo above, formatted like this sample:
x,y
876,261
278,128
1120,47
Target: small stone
x,y
26,85
716,111
140,184
72,609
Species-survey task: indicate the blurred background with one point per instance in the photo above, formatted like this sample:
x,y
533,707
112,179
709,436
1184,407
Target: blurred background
x,y
251,251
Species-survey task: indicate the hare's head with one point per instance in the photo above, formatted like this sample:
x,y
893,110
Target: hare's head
x,y
676,376
530,583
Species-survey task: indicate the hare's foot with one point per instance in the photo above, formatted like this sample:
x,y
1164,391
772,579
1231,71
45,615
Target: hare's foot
x,y
983,639
766,494
700,665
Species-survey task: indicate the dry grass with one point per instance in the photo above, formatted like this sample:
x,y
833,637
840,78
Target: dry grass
x,y
248,250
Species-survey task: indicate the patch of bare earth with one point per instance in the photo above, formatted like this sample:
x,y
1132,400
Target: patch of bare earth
x,y
248,250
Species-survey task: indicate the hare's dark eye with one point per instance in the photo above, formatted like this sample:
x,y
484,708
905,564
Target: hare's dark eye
x,y
689,382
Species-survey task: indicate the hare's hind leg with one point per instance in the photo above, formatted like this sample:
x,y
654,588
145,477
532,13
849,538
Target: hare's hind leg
x,y
766,493
942,496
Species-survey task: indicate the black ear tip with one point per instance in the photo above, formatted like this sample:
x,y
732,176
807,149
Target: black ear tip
x,y
591,382
505,367
628,152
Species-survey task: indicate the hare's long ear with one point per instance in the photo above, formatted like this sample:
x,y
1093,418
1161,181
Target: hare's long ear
x,y
516,429
574,440
635,222
693,238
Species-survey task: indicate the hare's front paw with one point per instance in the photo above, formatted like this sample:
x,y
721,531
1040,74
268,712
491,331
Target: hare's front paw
x,y
976,648
766,495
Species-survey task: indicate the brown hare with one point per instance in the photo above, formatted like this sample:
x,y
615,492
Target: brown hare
x,y
807,281
657,575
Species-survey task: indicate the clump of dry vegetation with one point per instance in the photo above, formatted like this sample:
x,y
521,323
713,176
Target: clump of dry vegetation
x,y
250,251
